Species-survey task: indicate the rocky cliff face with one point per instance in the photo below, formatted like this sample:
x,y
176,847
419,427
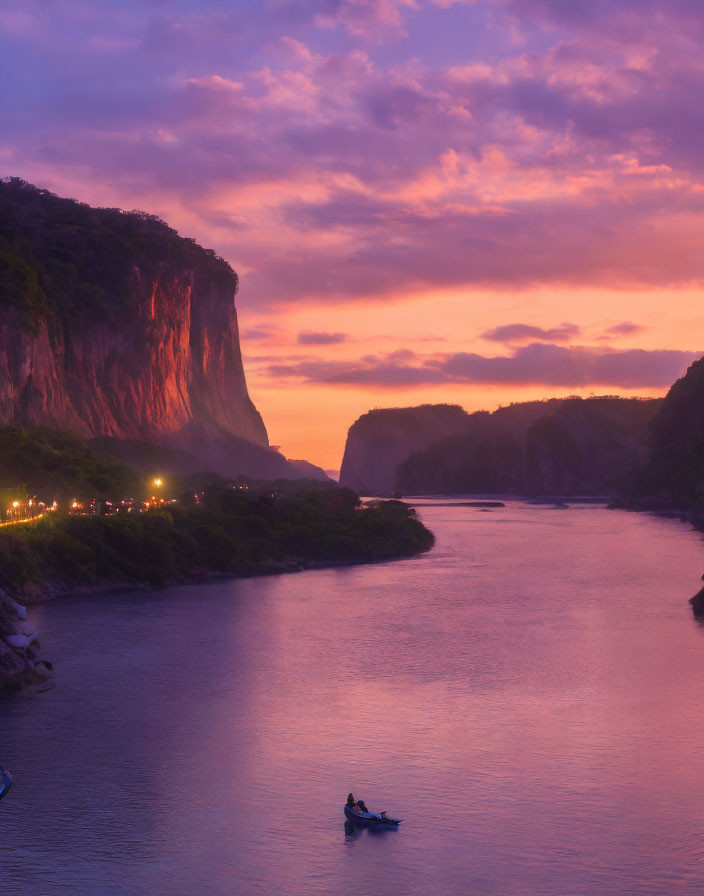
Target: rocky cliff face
x,y
113,325
557,447
379,440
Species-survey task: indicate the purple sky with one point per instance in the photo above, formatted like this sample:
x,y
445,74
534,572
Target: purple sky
x,y
389,174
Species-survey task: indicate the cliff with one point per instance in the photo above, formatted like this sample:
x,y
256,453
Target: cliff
x,y
111,324
380,439
674,476
572,446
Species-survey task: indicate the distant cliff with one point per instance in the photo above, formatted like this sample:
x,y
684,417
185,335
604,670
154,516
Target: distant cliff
x,y
379,440
111,324
674,476
575,446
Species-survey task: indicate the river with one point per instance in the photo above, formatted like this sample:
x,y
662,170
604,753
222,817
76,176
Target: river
x,y
526,696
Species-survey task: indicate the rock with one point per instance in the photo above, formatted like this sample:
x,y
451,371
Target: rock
x,y
11,607
43,669
697,603
20,640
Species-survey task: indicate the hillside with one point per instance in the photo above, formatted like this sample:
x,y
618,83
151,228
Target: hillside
x,y
674,476
574,446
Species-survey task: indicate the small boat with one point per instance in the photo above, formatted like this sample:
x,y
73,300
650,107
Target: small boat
x,y
5,781
371,819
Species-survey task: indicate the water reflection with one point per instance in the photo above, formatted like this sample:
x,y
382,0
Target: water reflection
x,y
530,681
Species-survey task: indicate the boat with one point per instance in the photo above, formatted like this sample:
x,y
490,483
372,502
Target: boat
x,y
371,819
5,781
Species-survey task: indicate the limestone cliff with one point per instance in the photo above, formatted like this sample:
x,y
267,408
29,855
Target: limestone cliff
x,y
111,324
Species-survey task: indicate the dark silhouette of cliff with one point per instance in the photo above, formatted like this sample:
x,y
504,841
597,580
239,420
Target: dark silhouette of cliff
x,y
574,446
380,439
674,476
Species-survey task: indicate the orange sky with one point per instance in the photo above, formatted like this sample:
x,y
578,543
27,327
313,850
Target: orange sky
x,y
311,419
426,200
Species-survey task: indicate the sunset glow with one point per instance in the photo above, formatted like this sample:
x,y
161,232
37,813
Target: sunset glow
x,y
425,200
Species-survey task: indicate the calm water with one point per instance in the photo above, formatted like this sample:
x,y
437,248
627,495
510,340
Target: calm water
x,y
527,696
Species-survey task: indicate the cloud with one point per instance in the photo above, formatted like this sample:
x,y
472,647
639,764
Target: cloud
x,y
308,338
626,328
528,332
328,167
257,333
535,364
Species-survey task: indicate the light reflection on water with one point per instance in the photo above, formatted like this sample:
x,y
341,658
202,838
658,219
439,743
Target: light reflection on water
x,y
526,696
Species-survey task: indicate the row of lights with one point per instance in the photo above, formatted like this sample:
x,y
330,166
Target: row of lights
x,y
14,507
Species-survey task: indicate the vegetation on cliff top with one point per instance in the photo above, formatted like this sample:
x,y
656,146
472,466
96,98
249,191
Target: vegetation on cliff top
x,y
233,530
674,476
62,257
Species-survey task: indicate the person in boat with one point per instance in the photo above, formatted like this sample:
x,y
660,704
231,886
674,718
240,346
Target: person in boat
x,y
356,806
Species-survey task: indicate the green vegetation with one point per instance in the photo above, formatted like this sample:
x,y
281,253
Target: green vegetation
x,y
67,260
56,465
233,529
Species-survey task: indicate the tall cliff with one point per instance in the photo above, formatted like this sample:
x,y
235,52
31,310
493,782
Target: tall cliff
x,y
594,446
111,324
380,439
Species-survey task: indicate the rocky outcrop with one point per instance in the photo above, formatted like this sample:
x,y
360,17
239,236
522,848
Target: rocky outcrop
x,y
380,439
573,446
19,663
111,324
674,476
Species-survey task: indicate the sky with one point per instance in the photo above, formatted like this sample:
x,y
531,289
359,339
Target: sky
x,y
465,201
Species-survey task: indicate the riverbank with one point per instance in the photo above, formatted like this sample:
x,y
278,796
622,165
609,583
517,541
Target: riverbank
x,y
228,532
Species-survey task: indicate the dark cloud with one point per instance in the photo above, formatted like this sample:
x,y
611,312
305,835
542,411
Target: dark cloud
x,y
626,328
256,333
308,338
536,364
528,333
601,240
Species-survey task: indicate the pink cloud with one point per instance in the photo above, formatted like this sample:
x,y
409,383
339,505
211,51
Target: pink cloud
x,y
530,333
544,364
